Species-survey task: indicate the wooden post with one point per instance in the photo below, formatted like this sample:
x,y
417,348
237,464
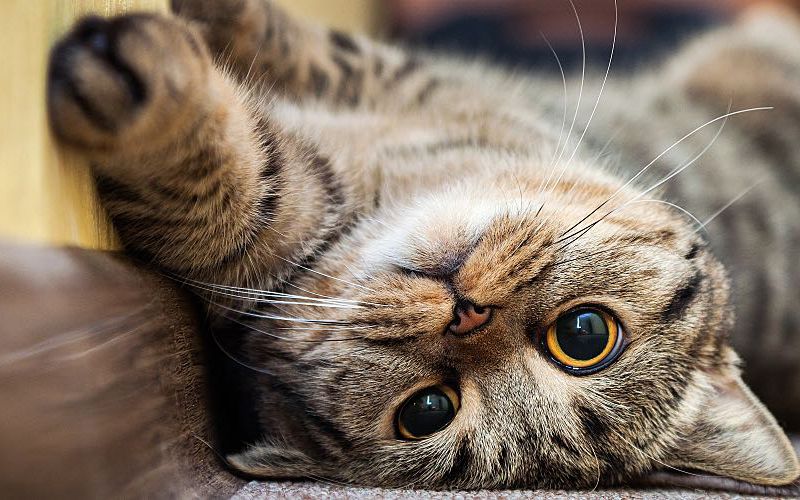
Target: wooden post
x,y
46,196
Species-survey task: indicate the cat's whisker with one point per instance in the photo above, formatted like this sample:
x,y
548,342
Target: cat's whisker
x,y
670,204
281,318
605,146
328,328
561,150
290,299
210,447
235,359
690,162
600,93
250,293
253,328
564,82
293,285
728,205
259,300
324,275
657,158
575,237
597,464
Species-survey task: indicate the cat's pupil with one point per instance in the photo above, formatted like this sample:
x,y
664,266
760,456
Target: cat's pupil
x,y
582,334
426,412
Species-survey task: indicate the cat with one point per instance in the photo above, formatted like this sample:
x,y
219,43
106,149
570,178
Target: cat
x,y
438,276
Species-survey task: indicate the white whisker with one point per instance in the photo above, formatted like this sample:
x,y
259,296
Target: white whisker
x,y
564,116
580,98
323,274
646,167
602,88
257,298
728,205
690,162
279,318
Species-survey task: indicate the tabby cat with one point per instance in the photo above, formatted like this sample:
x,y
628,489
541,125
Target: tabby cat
x,y
442,278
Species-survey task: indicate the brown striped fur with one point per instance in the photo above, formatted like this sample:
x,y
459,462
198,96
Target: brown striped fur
x,y
248,152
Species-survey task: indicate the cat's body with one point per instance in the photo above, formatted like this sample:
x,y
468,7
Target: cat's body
x,y
381,201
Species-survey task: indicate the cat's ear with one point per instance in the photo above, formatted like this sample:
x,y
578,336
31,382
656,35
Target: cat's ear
x,y
734,435
273,461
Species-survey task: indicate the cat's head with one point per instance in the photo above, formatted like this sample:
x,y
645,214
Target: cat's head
x,y
509,333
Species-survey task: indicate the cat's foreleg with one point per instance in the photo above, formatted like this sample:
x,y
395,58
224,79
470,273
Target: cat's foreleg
x,y
267,47
195,180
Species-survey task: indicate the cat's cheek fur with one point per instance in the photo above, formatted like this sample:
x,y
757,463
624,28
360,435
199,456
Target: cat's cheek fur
x,y
732,434
274,460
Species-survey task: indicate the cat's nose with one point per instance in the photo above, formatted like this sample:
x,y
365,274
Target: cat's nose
x,y
469,317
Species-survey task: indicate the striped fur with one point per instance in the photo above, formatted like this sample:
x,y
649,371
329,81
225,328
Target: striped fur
x,y
334,198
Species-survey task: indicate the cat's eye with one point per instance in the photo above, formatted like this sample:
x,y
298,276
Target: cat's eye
x,y
584,340
426,412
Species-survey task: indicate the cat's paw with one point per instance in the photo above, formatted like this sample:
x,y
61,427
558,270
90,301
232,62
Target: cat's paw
x,y
235,30
123,82
218,11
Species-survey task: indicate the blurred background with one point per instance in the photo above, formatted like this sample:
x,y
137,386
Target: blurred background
x,y
513,31
48,197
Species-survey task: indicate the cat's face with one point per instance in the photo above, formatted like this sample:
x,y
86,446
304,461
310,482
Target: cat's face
x,y
595,355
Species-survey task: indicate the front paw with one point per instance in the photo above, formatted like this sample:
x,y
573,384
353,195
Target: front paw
x,y
233,29
124,82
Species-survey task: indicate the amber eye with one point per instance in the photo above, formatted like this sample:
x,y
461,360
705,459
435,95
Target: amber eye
x,y
584,340
426,412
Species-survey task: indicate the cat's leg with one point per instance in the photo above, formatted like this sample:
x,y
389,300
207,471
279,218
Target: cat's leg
x,y
264,45
194,179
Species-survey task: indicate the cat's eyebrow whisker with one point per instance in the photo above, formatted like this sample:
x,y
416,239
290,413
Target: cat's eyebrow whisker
x,y
605,146
564,82
585,230
599,94
728,205
670,204
666,178
652,162
561,150
568,162
690,162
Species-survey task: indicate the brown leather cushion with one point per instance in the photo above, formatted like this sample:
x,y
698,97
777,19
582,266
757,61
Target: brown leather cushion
x,y
102,389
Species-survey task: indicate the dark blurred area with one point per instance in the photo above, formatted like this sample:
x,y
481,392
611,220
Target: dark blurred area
x,y
513,32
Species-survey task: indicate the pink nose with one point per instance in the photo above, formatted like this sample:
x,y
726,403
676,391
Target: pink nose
x,y
469,317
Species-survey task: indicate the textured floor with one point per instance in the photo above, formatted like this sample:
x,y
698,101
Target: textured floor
x,y
290,490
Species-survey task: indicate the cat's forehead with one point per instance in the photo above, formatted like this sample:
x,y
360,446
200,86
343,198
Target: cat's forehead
x,y
574,213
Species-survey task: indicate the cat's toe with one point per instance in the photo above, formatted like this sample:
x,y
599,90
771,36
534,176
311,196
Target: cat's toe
x,y
116,80
92,90
208,11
